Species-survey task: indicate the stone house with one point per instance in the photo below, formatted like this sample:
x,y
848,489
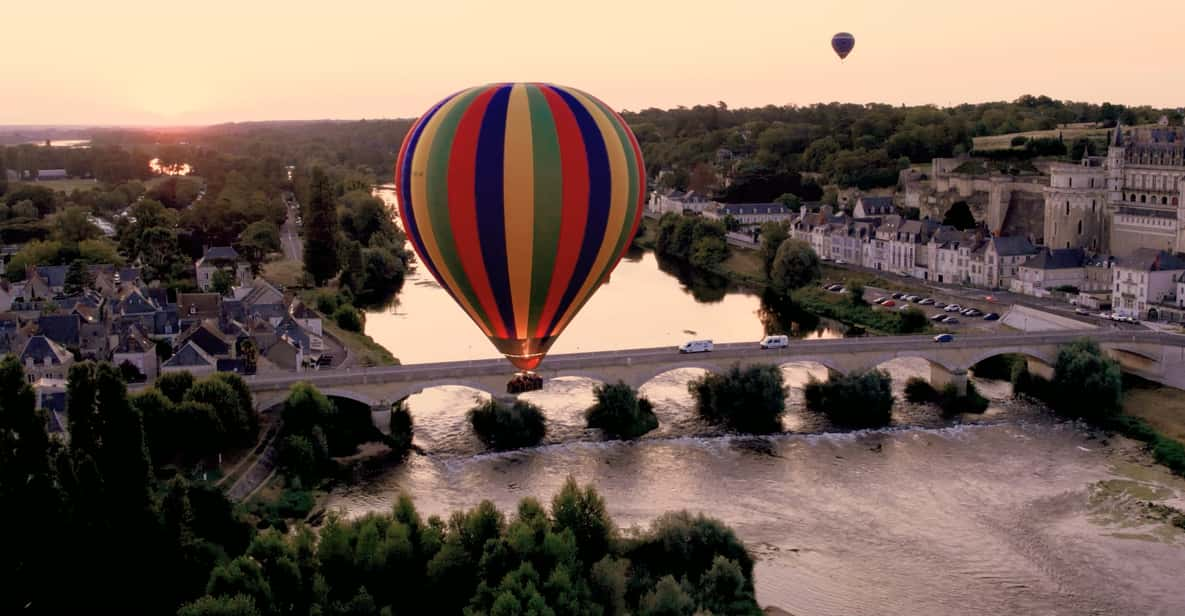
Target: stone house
x,y
45,359
134,347
1050,269
190,358
1144,281
222,258
873,207
750,213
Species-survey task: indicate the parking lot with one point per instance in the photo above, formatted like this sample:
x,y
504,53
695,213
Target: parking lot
x,y
946,313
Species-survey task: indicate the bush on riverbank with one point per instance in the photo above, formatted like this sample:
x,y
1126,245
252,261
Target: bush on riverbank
x,y
920,391
1086,384
748,400
859,400
565,559
508,426
694,239
837,307
1166,451
620,412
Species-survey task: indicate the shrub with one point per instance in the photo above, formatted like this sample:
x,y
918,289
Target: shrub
x,y
502,426
919,390
1088,384
327,302
402,430
748,400
348,318
856,400
620,412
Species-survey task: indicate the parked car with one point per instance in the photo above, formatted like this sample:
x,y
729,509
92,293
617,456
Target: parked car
x,y
696,346
898,295
912,298
971,312
941,316
1081,311
950,321
926,302
940,304
944,338
879,300
991,316
953,308
777,341
834,287
904,306
889,303
840,262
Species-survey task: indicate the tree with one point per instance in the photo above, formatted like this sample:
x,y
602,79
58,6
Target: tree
x,y
1088,384
790,200
241,576
773,234
174,385
348,318
863,399
78,278
620,412
321,230
856,294
226,401
508,426
913,320
583,513
221,282
795,266
257,241
73,225
959,216
752,399
238,605
667,599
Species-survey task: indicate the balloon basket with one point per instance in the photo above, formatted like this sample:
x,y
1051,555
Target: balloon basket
x,y
523,382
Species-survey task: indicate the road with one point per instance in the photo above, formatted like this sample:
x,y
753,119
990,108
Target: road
x,y
738,350
290,233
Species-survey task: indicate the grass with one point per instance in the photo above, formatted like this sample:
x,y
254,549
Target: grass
x,y
284,272
849,277
838,307
1070,133
152,182
363,348
66,186
1163,408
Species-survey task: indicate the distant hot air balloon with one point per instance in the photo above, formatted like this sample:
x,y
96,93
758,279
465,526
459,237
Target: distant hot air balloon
x,y
520,198
843,43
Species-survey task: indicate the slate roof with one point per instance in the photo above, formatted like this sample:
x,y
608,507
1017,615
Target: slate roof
x,y
198,304
1151,260
44,351
207,338
1059,258
53,275
189,356
61,328
736,209
877,206
221,253
134,341
1013,245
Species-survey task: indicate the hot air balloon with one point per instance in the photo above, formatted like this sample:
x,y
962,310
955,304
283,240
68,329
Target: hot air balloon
x,y
520,199
843,43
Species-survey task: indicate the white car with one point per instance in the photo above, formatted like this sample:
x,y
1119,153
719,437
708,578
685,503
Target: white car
x,y
778,341
953,308
696,346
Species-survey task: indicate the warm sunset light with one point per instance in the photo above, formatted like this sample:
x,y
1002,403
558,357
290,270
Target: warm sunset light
x,y
231,61
507,307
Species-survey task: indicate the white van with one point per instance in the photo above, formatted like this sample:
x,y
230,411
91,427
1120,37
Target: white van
x,y
775,342
696,346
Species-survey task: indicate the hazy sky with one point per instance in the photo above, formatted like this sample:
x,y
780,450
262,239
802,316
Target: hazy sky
x,y
133,61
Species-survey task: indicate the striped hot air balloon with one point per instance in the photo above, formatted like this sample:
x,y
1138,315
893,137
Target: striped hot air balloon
x,y
520,198
843,43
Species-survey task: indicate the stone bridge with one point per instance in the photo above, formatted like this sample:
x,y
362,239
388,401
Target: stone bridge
x,y
1155,356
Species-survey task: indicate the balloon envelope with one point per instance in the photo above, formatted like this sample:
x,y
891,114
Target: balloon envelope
x,y
843,43
520,199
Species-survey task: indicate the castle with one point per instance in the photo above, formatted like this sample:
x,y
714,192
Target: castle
x,y
1126,201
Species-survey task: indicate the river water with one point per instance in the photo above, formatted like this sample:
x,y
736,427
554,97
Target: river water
x,y
1009,512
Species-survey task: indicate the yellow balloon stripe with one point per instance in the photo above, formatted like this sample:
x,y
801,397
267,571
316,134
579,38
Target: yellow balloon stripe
x,y
619,203
419,200
518,192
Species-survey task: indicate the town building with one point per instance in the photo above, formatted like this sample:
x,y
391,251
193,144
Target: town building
x,y
1145,283
1049,270
869,207
750,213
222,258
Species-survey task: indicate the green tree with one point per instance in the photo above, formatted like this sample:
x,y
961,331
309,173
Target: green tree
x,y
174,385
222,281
583,513
752,399
241,576
620,412
959,216
235,419
257,241
790,200
78,278
861,399
913,320
348,318
773,234
856,294
667,599
508,426
1088,384
321,230
795,266
73,225
238,605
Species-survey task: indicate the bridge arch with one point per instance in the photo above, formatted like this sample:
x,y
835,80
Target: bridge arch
x,y
649,373
1048,357
410,389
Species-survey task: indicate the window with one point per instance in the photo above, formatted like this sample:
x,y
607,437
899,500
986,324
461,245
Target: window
x,y
1092,204
1079,229
1067,208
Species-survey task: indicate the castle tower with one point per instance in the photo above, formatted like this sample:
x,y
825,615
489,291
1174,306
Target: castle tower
x,y
1076,205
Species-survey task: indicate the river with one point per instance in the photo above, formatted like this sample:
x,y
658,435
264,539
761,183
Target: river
x,y
1009,512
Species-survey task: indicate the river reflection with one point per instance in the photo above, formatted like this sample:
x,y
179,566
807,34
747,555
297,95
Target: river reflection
x,y
648,302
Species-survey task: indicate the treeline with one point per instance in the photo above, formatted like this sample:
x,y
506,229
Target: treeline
x,y
566,559
848,144
111,164
350,234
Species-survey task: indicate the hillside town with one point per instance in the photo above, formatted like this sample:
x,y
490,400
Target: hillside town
x,y
1103,233
50,322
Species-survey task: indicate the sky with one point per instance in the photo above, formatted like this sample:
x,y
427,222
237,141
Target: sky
x,y
134,62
